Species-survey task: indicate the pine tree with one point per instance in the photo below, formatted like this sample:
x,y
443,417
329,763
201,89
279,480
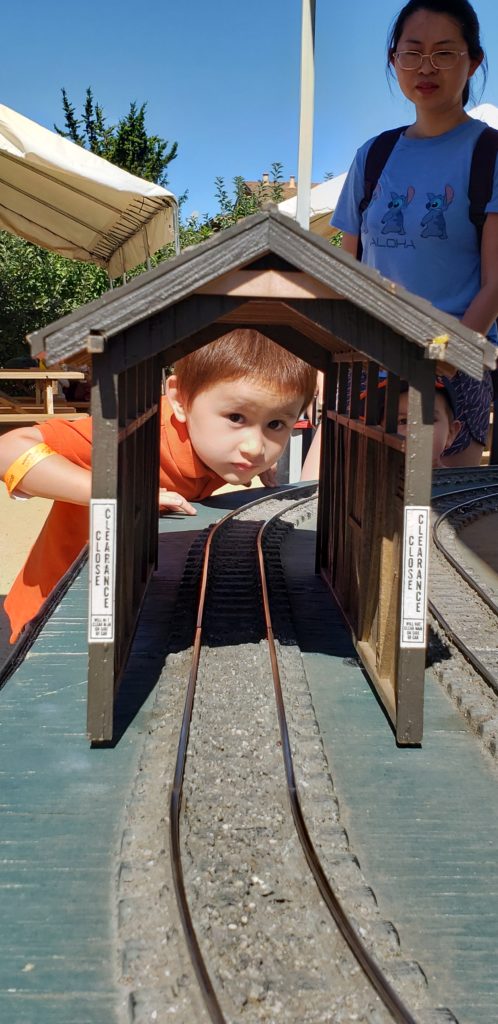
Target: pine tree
x,y
127,144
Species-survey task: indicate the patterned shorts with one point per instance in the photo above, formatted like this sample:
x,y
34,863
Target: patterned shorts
x,y
474,399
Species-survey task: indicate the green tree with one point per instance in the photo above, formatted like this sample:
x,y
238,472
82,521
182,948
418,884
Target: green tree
x,y
243,202
127,144
38,286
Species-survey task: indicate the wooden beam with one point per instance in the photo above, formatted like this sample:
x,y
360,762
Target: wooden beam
x,y
269,284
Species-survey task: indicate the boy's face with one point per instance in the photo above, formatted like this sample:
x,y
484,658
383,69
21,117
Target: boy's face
x,y
237,428
445,428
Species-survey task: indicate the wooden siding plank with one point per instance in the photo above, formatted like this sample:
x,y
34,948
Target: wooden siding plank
x,y
270,284
375,339
415,318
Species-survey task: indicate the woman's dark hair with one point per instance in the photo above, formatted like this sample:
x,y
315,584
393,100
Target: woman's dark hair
x,y
462,13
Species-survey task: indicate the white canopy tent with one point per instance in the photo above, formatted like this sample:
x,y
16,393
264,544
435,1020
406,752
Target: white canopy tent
x,y
64,198
486,112
323,201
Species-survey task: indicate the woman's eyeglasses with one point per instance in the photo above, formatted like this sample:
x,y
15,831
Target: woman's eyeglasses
x,y
441,60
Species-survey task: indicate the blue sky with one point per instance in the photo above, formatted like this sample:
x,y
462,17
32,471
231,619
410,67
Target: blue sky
x,y
220,77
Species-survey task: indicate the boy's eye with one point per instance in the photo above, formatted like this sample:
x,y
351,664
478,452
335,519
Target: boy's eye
x,y
235,417
276,425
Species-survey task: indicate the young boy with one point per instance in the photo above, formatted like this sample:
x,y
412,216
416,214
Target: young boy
x,y
446,425
227,416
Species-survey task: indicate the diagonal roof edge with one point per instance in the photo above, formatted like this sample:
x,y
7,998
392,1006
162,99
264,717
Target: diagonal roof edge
x,y
268,231
156,289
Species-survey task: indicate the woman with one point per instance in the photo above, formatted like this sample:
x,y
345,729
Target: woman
x,y
416,229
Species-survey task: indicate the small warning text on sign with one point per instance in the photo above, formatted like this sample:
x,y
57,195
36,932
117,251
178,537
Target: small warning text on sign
x,y
414,576
102,562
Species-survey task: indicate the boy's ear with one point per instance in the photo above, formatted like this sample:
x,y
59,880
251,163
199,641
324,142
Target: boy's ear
x,y
453,432
174,399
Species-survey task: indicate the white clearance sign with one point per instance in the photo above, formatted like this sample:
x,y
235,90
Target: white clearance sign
x,y
102,562
414,579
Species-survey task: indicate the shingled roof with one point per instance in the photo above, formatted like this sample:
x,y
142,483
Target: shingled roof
x,y
304,267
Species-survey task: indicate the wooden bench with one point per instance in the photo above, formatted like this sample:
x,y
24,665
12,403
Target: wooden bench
x,y
16,411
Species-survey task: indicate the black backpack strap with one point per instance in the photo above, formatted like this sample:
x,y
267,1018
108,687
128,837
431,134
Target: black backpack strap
x,y
482,170
377,157
376,160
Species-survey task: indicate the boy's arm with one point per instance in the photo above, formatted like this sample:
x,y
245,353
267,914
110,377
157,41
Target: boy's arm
x,y
55,477
60,479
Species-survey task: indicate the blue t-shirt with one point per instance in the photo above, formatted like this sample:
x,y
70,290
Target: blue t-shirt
x,y
416,230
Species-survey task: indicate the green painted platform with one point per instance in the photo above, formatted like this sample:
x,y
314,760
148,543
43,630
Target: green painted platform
x,y
61,806
424,823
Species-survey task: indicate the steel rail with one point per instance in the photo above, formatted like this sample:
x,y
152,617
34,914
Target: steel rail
x,y
377,978
467,651
198,963
380,983
206,986
451,559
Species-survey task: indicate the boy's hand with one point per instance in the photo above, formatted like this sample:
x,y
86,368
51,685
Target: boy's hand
x,y
269,476
171,501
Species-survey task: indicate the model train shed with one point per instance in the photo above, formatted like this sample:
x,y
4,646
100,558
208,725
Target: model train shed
x,y
375,487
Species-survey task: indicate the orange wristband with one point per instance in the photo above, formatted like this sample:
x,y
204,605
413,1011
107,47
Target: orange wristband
x,y
18,469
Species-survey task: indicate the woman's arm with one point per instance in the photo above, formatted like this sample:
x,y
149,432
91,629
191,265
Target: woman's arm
x,y
349,243
54,477
483,309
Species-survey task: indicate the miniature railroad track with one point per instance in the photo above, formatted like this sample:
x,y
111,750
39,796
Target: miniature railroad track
x,y
234,609
464,603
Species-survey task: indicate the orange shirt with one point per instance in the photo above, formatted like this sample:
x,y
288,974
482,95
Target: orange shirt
x,y
65,531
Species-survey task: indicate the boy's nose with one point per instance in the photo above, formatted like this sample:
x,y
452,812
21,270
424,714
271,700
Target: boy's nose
x,y
252,444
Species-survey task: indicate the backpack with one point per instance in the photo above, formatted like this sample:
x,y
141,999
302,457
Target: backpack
x,y
481,178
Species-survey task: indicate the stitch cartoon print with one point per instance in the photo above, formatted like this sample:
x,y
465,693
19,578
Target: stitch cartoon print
x,y
393,220
434,223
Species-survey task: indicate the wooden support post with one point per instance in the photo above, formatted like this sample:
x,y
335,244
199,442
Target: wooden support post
x,y
326,469
105,401
414,557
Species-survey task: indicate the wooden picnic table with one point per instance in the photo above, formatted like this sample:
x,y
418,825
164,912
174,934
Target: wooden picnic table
x,y
46,382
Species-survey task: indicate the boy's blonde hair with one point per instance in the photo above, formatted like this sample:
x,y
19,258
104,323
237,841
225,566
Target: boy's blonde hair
x,y
245,354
